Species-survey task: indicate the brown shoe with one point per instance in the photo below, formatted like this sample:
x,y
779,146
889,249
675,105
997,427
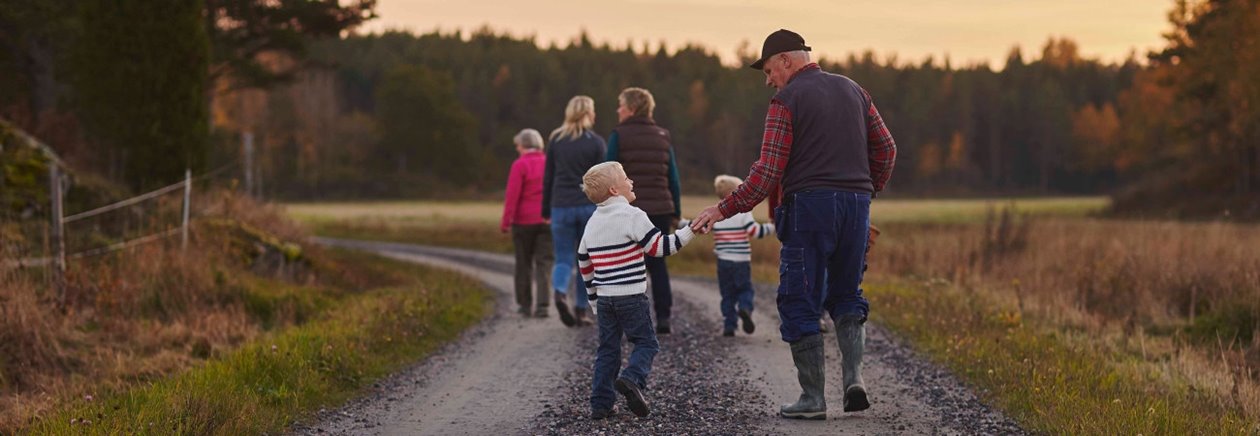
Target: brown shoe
x,y
581,317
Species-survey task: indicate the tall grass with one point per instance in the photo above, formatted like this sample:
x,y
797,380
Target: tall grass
x,y
1182,299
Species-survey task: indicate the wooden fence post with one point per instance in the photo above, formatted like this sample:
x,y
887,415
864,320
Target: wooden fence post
x,y
187,204
58,232
247,148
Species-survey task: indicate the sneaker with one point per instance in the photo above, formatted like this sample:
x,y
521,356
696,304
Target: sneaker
x,y
746,317
599,414
562,308
524,311
662,327
634,397
541,312
728,332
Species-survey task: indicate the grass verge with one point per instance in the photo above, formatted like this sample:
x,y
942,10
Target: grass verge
x,y
1049,381
267,384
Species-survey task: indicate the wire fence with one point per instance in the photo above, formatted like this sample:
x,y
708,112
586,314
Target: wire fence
x,y
102,229
88,231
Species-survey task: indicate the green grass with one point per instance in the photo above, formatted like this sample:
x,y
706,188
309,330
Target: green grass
x,y
1049,381
266,385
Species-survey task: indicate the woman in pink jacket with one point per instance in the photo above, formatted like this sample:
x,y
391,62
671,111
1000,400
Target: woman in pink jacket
x,y
531,233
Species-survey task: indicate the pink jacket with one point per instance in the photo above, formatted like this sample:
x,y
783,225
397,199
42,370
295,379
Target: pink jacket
x,y
522,205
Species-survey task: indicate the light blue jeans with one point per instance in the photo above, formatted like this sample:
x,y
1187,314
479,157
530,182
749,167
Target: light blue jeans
x,y
567,224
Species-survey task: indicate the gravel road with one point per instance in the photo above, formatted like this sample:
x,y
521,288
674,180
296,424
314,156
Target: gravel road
x,y
515,375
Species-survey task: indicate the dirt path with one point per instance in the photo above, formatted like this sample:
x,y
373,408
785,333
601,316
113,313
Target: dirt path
x,y
512,375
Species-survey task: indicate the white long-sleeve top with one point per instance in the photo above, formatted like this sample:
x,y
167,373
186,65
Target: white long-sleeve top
x,y
731,236
616,238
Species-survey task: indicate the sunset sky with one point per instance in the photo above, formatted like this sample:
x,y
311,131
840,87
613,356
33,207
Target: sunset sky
x,y
969,31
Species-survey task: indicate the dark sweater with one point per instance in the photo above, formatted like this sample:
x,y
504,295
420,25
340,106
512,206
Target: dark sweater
x,y
567,161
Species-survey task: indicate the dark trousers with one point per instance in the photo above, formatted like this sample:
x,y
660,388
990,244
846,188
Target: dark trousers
x,y
534,257
662,294
735,284
820,265
617,317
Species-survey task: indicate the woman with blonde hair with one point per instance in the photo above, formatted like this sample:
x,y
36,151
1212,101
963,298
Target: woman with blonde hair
x,y
572,150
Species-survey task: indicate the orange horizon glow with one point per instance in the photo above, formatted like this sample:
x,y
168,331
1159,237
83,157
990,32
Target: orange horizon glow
x,y
967,32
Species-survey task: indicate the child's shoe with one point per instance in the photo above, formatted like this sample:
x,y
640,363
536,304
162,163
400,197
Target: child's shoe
x,y
728,332
746,317
662,326
599,414
541,312
634,397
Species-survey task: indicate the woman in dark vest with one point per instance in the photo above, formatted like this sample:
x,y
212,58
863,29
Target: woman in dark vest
x,y
573,149
644,149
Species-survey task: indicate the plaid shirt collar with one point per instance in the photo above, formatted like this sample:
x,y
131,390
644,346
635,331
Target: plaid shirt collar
x,y
809,66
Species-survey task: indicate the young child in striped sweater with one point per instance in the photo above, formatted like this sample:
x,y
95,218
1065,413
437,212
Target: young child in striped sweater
x,y
734,259
610,258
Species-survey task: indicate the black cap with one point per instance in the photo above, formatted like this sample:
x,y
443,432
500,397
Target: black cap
x,y
780,41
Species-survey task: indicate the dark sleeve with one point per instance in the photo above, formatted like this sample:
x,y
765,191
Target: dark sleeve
x,y
674,187
613,150
549,172
603,148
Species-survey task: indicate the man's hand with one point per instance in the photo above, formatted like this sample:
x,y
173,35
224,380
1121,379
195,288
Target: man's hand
x,y
705,220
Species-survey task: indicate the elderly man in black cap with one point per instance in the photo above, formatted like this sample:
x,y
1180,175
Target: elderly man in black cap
x,y
827,150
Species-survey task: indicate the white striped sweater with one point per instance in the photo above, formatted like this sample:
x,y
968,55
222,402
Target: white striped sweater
x,y
731,236
616,238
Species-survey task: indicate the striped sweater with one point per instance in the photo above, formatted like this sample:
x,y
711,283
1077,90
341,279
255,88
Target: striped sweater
x,y
616,238
731,236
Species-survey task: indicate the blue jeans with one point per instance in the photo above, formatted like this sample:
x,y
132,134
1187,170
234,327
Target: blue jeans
x,y
626,315
735,283
567,224
820,265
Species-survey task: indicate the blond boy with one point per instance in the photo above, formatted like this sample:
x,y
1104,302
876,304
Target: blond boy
x,y
610,257
734,259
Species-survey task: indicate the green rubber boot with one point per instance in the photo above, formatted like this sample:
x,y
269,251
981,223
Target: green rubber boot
x,y
807,354
851,335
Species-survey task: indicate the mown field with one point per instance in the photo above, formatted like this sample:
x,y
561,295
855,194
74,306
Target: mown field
x,y
1068,322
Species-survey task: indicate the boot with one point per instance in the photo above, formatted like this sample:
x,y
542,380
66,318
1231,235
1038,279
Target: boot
x,y
807,354
851,334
